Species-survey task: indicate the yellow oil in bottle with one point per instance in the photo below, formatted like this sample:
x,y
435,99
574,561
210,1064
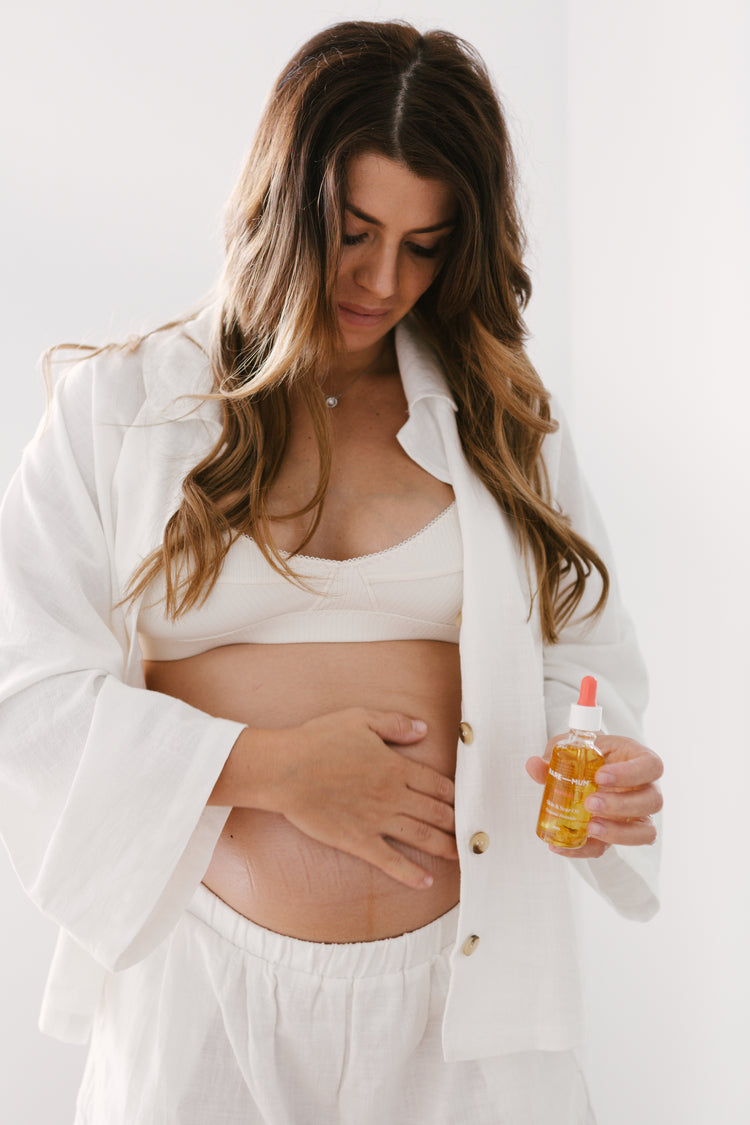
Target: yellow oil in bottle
x,y
563,819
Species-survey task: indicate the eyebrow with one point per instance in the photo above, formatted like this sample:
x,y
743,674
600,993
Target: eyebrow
x,y
418,230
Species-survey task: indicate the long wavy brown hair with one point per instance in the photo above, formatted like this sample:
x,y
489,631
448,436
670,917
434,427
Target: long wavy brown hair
x,y
427,101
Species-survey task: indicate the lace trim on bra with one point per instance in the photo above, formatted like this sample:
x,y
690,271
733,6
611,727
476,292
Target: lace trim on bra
x,y
373,554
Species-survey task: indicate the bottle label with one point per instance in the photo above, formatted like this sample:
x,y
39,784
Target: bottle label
x,y
562,811
570,780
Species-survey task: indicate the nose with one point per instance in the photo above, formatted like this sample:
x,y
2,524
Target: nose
x,y
377,271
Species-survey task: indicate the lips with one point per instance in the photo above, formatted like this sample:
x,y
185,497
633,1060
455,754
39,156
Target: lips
x,y
361,315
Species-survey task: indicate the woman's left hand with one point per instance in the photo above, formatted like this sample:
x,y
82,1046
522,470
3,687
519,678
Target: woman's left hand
x,y
626,798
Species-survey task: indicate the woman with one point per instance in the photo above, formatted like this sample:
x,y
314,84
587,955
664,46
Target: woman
x,y
332,528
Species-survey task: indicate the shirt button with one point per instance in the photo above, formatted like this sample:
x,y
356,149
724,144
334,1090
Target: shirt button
x,y
465,733
480,841
470,945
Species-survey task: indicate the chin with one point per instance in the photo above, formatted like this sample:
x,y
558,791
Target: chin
x,y
357,339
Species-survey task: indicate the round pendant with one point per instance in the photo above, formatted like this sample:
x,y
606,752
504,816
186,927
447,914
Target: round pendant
x,y
331,401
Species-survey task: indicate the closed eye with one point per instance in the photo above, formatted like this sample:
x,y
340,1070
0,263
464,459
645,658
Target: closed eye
x,y
425,251
414,247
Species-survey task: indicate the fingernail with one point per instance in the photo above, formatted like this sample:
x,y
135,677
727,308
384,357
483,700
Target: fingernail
x,y
594,804
428,881
419,726
605,778
595,830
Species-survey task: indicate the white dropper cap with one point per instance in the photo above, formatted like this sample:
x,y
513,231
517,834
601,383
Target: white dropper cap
x,y
585,715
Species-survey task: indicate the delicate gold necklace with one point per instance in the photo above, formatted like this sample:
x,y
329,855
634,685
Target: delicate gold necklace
x,y
333,400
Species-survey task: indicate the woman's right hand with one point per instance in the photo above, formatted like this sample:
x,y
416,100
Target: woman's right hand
x,y
338,780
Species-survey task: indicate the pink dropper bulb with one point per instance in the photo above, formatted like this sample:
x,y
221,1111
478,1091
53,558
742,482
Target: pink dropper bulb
x,y
587,698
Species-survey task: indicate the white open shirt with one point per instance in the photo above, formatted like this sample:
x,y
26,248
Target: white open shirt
x,y
103,785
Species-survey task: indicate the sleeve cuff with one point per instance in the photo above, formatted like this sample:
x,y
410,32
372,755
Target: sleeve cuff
x,y
626,879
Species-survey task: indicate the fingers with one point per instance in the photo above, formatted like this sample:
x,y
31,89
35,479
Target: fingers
x,y
536,768
379,850
627,764
627,796
642,831
592,849
418,834
424,779
626,799
392,726
352,790
625,805
394,863
431,811
395,727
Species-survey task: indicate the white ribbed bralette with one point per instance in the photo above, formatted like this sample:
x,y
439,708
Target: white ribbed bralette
x,y
412,591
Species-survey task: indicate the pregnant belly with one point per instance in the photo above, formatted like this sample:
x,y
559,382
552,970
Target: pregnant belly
x,y
263,866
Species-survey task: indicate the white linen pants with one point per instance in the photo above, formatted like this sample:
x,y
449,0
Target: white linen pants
x,y
227,1023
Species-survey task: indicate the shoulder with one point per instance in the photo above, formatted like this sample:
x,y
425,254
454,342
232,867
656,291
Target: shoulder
x,y
153,375
175,365
557,449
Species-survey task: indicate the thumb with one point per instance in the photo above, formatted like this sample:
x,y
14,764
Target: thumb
x,y
537,768
392,726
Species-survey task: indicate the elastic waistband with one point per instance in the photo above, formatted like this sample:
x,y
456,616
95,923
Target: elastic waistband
x,y
326,959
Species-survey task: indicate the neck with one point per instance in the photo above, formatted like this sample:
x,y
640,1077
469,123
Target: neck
x,y
379,356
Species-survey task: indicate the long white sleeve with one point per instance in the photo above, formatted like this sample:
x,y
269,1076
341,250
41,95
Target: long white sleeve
x,y
607,649
103,785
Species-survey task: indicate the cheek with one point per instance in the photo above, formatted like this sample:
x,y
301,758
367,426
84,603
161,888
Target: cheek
x,y
421,278
345,268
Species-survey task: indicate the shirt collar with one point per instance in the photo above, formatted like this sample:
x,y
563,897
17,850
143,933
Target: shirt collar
x,y
427,396
421,372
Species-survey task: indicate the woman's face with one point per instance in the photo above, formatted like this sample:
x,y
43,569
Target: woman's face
x,y
396,234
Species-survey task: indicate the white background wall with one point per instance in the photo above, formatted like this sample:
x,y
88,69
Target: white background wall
x,y
123,130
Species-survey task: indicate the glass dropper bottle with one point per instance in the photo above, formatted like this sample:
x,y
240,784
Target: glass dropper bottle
x,y
563,819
